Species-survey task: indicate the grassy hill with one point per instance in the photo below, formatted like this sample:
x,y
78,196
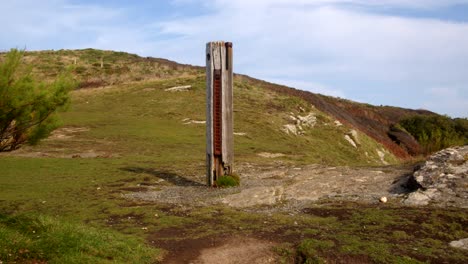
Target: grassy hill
x,y
132,114
99,68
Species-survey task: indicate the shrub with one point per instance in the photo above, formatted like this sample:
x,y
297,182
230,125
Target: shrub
x,y
437,132
27,106
231,180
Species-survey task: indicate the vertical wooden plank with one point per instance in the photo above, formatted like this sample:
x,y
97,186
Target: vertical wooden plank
x,y
209,132
219,110
228,153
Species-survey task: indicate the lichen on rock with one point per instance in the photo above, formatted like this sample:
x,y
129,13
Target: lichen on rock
x,y
442,179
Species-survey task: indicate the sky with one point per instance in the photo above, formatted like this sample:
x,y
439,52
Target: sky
x,y
407,53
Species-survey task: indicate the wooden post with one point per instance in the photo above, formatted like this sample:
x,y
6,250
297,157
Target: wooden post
x,y
219,115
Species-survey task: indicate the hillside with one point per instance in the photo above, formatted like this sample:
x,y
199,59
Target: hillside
x,y
132,98
375,121
97,68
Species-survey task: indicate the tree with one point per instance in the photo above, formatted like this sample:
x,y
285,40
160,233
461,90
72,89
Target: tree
x,y
28,106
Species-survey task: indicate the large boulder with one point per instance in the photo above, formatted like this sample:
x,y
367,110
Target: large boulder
x,y
442,179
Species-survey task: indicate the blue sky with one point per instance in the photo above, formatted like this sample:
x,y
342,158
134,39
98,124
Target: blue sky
x,y
408,53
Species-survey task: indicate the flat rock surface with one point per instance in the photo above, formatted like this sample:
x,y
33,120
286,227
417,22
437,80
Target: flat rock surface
x,y
286,186
279,186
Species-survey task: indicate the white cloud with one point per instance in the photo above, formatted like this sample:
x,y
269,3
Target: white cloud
x,y
35,23
242,4
326,42
315,45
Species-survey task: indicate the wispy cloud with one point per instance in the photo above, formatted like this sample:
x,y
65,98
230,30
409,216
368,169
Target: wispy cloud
x,y
353,49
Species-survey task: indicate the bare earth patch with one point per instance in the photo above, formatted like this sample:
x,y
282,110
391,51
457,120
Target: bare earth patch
x,y
60,142
239,250
66,133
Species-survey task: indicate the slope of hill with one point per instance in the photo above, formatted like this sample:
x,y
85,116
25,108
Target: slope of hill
x,y
95,68
378,122
98,68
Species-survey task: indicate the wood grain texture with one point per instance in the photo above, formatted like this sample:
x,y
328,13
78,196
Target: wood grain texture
x,y
228,138
219,57
209,100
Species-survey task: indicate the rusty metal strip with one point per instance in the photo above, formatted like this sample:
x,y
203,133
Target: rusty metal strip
x,y
217,113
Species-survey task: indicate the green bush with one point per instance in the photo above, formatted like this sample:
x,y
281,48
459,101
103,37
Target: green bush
x,y
437,132
231,180
27,106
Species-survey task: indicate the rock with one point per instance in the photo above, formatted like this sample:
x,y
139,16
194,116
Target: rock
x,y
353,134
270,155
338,123
417,198
300,122
188,121
290,129
383,199
178,88
462,244
443,179
382,157
255,196
446,165
308,121
350,140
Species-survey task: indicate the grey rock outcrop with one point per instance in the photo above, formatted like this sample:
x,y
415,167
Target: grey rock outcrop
x,y
442,180
462,243
300,122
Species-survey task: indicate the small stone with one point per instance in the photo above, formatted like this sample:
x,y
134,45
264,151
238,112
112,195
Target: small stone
x,y
156,215
178,88
144,228
98,188
462,244
383,199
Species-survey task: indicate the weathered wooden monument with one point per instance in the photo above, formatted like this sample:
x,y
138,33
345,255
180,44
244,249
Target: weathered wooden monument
x,y
219,115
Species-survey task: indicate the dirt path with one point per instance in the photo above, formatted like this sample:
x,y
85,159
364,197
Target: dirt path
x,y
214,250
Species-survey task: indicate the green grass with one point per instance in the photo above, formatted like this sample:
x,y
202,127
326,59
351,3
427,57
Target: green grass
x,y
67,189
33,239
228,181
385,234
